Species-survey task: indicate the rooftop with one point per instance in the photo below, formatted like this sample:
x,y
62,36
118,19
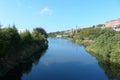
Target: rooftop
x,y
113,20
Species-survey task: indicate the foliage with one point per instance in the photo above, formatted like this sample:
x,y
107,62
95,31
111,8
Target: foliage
x,y
108,46
16,48
89,33
54,34
11,40
103,41
26,37
42,31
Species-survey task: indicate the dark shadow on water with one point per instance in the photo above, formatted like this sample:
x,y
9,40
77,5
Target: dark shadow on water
x,y
23,68
112,70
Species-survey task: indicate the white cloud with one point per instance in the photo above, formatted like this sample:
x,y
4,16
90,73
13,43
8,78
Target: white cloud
x,y
46,11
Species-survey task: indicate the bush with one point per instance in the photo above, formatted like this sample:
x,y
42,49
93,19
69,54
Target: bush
x,y
108,46
26,37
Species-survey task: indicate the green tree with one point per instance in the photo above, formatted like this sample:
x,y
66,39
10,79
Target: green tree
x,y
26,37
42,31
9,39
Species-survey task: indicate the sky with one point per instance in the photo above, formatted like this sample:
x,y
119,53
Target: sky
x,y
57,15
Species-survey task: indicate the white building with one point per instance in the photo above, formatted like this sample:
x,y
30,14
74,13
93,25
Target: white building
x,y
116,29
59,36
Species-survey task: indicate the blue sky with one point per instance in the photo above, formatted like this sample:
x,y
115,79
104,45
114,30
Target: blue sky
x,y
57,15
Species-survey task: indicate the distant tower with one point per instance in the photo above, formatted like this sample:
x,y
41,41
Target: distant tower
x,y
76,29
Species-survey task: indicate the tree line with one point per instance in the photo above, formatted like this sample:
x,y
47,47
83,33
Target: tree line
x,y
20,47
11,40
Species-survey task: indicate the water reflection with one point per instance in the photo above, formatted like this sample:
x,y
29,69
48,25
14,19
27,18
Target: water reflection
x,y
63,51
23,68
112,70
64,60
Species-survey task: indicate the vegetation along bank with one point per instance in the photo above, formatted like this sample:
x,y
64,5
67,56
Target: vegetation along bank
x,y
16,47
104,42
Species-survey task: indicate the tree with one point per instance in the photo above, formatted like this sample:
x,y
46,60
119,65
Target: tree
x,y
9,39
26,37
42,31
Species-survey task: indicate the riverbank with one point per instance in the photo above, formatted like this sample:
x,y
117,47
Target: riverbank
x,y
17,48
23,55
23,67
85,43
111,69
63,60
102,41
106,45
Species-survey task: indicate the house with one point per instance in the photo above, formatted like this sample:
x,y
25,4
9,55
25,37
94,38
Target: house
x,y
112,23
59,36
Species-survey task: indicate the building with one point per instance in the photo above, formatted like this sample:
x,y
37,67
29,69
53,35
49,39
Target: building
x,y
116,29
112,23
59,36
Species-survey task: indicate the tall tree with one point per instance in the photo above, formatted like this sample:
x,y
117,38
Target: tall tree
x,y
42,31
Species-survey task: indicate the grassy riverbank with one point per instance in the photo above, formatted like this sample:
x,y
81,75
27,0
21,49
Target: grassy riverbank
x,y
107,46
87,36
85,43
104,42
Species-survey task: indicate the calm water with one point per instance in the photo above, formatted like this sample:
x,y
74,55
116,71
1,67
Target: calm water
x,y
64,60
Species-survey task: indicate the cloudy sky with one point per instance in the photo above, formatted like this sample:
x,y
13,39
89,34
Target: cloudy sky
x,y
57,15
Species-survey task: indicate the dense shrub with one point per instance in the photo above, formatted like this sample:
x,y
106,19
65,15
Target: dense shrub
x,y
11,40
108,46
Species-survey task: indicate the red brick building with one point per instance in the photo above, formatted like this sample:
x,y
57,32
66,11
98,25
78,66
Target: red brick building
x,y
112,23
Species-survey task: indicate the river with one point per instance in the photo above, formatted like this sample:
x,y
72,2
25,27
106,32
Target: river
x,y
64,60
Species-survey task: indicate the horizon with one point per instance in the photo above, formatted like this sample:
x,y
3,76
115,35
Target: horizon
x,y
57,15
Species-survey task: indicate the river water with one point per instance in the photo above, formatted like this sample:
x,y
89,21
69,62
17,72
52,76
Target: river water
x,y
64,60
